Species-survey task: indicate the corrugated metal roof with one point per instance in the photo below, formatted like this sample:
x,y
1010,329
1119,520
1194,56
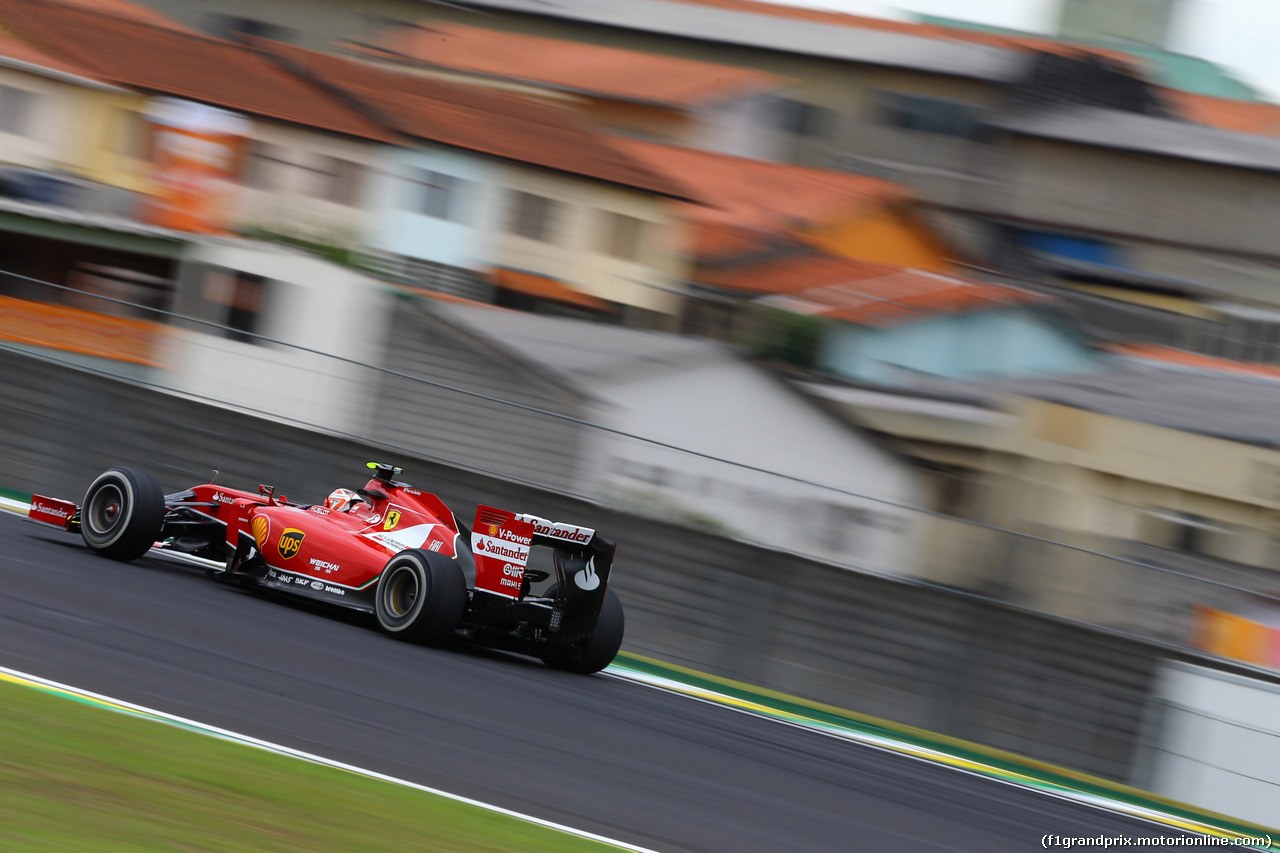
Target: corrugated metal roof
x,y
1148,135
570,66
1163,67
788,34
584,353
1171,395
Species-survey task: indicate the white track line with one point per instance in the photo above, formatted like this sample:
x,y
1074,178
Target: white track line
x,y
16,677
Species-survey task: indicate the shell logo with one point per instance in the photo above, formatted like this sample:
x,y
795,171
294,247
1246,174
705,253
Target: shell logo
x,y
493,530
261,527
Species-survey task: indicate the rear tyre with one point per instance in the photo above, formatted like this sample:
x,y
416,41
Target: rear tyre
x,y
122,514
597,651
421,596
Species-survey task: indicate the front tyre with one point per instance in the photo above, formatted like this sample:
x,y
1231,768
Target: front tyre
x,y
122,514
421,596
597,651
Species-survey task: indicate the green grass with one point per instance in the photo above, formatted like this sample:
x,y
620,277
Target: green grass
x,y
77,777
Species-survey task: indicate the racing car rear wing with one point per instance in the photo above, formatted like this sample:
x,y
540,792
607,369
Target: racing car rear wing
x,y
500,543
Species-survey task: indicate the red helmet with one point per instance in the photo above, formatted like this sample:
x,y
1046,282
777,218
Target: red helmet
x,y
343,500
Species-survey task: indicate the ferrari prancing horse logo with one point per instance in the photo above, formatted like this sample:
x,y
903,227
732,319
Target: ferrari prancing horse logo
x,y
290,542
393,518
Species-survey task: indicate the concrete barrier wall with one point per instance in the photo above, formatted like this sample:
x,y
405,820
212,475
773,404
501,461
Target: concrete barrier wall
x,y
914,654
1216,742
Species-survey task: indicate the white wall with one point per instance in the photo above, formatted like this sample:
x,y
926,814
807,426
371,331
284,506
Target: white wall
x,y
727,408
311,303
1218,742
746,127
291,203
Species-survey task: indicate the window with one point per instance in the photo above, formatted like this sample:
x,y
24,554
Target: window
x,y
929,115
438,195
802,119
533,216
342,181
266,166
234,28
623,236
17,111
234,299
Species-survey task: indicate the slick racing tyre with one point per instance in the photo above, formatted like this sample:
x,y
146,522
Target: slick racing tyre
x,y
597,651
122,513
421,596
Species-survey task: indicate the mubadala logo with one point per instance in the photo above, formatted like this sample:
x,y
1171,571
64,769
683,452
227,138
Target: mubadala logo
x,y
587,579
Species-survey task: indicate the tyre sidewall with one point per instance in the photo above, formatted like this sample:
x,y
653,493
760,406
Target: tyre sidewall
x,y
141,514
439,605
405,562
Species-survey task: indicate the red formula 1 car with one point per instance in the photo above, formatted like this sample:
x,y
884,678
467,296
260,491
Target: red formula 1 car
x,y
387,549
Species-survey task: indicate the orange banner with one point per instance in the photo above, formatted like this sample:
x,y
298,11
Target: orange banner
x,y
73,330
196,151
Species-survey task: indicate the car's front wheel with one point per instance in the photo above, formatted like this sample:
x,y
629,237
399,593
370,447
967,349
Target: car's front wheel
x,y
421,596
122,513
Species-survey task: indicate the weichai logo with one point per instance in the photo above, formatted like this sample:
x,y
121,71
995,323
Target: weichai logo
x,y
290,542
261,528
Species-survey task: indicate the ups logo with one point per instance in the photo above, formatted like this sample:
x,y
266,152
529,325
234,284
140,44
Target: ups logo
x,y
290,542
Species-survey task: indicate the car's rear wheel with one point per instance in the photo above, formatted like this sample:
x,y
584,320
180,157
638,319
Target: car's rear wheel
x,y
122,513
598,650
421,596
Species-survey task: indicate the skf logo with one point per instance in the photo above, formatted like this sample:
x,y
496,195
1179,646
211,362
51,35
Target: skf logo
x,y
261,529
393,518
290,542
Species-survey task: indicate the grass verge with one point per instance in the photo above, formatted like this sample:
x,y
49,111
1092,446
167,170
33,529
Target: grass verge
x,y
78,777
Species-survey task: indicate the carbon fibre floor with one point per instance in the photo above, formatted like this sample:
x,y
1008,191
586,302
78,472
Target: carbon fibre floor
x,y
600,754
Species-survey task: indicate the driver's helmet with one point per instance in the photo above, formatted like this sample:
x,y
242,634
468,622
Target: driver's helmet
x,y
343,500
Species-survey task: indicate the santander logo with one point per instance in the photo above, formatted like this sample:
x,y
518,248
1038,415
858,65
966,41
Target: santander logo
x,y
587,579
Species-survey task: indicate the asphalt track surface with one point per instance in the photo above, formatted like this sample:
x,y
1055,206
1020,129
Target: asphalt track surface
x,y
596,753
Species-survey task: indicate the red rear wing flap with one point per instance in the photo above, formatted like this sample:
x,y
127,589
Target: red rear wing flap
x,y
52,511
500,544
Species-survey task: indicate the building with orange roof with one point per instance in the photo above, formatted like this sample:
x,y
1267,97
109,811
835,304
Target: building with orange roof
x,y
311,153
740,207
886,324
1256,117
666,98
515,190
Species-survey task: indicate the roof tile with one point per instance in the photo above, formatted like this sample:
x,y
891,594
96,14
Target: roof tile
x,y
741,202
466,117
862,292
158,59
1254,117
573,66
